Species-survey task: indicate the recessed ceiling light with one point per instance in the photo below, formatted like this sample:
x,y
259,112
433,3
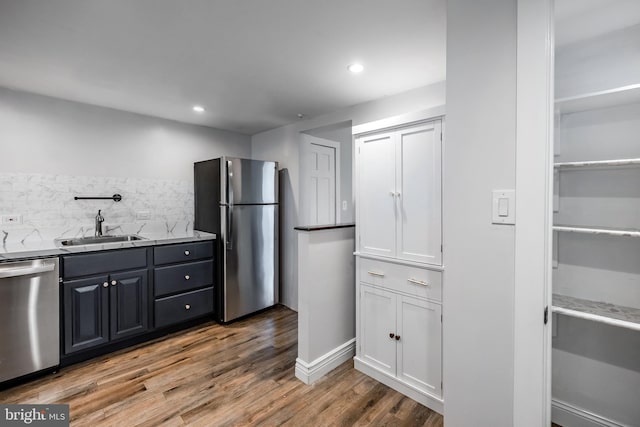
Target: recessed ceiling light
x,y
198,109
355,68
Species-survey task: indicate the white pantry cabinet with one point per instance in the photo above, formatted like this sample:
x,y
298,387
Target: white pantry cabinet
x,y
399,256
399,193
402,336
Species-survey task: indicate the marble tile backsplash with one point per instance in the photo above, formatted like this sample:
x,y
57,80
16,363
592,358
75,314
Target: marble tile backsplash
x,y
48,209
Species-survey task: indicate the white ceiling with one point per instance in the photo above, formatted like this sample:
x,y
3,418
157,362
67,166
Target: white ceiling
x,y
254,64
578,20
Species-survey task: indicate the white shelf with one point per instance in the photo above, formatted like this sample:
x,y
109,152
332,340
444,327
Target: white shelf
x,y
611,314
598,163
599,230
602,99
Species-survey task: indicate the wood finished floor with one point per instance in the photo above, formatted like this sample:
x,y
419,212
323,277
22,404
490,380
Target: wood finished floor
x,y
212,375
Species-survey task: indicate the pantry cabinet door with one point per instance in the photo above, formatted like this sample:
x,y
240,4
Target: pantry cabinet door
x,y
419,326
377,324
376,194
419,188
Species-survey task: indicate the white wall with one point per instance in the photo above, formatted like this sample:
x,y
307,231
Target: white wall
x,y
479,156
283,144
606,62
46,135
327,318
53,150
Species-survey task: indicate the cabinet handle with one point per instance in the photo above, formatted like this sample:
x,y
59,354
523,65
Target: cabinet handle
x,y
418,282
397,337
113,283
187,277
375,273
391,335
392,194
105,285
187,307
187,253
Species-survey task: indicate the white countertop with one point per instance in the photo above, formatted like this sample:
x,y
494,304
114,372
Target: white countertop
x,y
47,247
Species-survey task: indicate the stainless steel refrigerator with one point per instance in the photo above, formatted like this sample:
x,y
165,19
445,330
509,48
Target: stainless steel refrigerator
x,y
237,199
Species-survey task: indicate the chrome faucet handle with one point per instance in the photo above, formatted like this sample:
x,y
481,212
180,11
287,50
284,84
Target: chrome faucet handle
x,y
99,221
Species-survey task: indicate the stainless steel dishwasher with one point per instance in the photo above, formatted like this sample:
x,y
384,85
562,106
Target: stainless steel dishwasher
x,y
29,317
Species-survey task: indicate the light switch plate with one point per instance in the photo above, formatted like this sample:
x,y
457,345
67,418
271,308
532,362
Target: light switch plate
x,y
504,207
344,205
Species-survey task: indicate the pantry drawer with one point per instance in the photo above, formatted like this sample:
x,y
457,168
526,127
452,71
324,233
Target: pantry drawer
x,y
182,307
182,277
416,281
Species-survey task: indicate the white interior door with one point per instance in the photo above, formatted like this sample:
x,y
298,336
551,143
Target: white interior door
x,y
321,183
419,193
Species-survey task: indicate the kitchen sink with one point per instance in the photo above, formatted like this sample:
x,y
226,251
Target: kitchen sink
x,y
61,242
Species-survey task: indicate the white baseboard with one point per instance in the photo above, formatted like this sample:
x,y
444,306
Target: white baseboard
x,y
568,415
311,372
432,402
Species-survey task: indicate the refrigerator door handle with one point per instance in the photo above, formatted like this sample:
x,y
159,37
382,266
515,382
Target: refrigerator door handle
x,y
230,227
230,207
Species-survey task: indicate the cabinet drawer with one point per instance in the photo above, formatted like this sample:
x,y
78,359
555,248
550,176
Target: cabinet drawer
x,y
411,280
183,307
183,252
182,277
104,262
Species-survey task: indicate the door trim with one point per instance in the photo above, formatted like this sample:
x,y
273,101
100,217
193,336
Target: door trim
x,y
534,190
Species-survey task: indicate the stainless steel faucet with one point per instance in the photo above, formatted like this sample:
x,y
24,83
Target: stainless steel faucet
x,y
99,221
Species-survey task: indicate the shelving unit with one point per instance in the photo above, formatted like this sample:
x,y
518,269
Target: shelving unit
x,y
611,314
602,99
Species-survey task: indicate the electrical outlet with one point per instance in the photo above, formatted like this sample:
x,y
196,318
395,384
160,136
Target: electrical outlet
x,y
12,219
143,215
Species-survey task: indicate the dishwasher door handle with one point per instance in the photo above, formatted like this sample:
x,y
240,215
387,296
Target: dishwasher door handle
x,y
25,271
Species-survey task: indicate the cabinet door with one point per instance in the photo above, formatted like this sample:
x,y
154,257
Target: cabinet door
x,y
419,326
377,328
86,313
419,188
129,303
376,194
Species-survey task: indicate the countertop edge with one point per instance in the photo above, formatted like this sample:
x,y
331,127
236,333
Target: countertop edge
x,y
151,241
324,227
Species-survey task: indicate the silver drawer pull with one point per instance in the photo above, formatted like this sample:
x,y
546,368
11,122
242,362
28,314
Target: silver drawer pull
x,y
187,307
418,282
187,277
187,253
375,273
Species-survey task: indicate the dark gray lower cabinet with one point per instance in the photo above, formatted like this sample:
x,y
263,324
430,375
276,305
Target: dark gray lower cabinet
x,y
86,313
105,308
128,295
129,303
